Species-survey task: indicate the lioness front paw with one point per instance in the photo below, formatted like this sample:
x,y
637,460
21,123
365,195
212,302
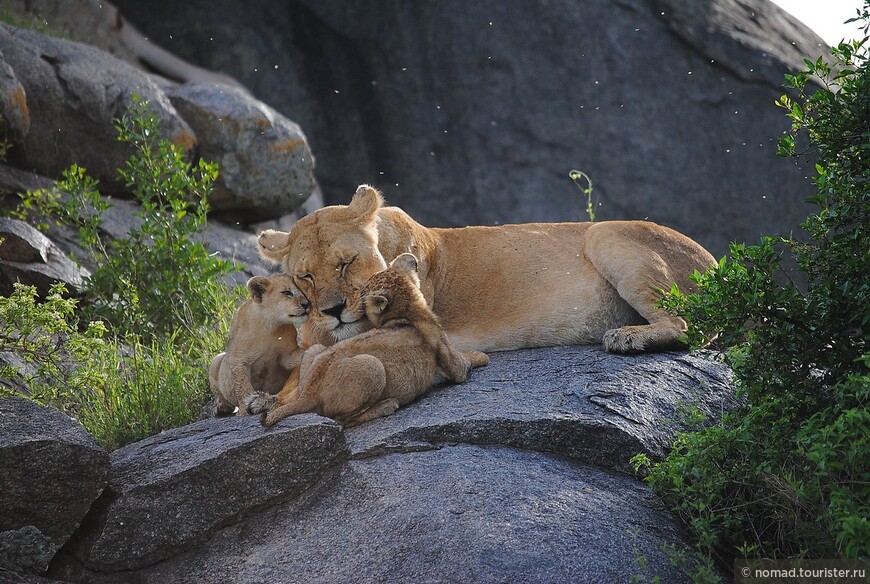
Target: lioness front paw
x,y
259,402
477,358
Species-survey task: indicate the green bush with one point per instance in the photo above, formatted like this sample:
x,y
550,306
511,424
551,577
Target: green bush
x,y
157,307
786,475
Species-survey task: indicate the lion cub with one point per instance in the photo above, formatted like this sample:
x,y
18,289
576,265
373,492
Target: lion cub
x,y
370,375
262,350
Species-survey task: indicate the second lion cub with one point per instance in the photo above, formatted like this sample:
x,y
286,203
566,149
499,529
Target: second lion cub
x,y
372,374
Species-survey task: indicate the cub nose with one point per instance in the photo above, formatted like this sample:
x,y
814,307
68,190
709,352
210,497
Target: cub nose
x,y
334,311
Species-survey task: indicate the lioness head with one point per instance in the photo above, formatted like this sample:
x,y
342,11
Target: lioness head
x,y
331,254
393,293
279,298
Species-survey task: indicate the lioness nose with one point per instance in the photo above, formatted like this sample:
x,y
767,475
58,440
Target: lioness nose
x,y
334,311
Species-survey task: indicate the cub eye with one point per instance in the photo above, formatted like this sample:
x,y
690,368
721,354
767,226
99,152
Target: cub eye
x,y
342,267
288,293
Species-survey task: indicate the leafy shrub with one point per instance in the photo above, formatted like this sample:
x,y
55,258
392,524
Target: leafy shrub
x,y
786,474
158,277
157,307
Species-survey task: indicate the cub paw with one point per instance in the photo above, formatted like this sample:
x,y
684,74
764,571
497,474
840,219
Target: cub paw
x,y
478,359
259,403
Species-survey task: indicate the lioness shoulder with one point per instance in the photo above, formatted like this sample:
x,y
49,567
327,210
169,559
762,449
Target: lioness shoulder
x,y
262,349
374,373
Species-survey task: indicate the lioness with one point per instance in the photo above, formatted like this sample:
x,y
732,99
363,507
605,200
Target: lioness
x,y
262,349
498,288
372,374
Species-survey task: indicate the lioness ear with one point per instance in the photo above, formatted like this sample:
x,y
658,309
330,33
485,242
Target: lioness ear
x,y
377,303
365,203
273,245
405,262
257,286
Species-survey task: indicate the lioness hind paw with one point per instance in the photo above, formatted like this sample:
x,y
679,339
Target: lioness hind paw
x,y
259,403
622,340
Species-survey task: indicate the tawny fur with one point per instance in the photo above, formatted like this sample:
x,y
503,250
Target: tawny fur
x,y
498,288
262,349
372,374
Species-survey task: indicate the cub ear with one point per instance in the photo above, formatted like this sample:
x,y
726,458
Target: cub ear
x,y
365,204
405,262
377,303
257,286
273,245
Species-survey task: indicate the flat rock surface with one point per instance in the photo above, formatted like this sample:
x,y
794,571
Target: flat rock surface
x,y
177,488
580,402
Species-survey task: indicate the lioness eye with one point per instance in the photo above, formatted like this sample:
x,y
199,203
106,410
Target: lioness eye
x,y
342,267
307,277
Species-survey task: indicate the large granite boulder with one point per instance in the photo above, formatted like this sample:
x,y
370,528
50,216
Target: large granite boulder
x,y
520,474
475,112
52,471
266,166
74,93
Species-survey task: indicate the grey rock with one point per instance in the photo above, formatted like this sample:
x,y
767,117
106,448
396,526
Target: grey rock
x,y
520,474
474,113
74,93
459,514
21,242
266,166
51,473
29,257
178,488
579,402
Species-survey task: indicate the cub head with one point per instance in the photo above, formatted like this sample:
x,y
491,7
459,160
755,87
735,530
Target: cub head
x,y
279,298
331,254
394,293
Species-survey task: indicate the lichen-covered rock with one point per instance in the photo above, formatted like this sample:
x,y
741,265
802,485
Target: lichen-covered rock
x,y
52,471
74,93
178,488
266,166
14,115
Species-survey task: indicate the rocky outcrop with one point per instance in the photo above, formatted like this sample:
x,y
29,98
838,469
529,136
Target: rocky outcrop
x,y
51,473
16,264
467,113
73,94
266,166
59,101
520,474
